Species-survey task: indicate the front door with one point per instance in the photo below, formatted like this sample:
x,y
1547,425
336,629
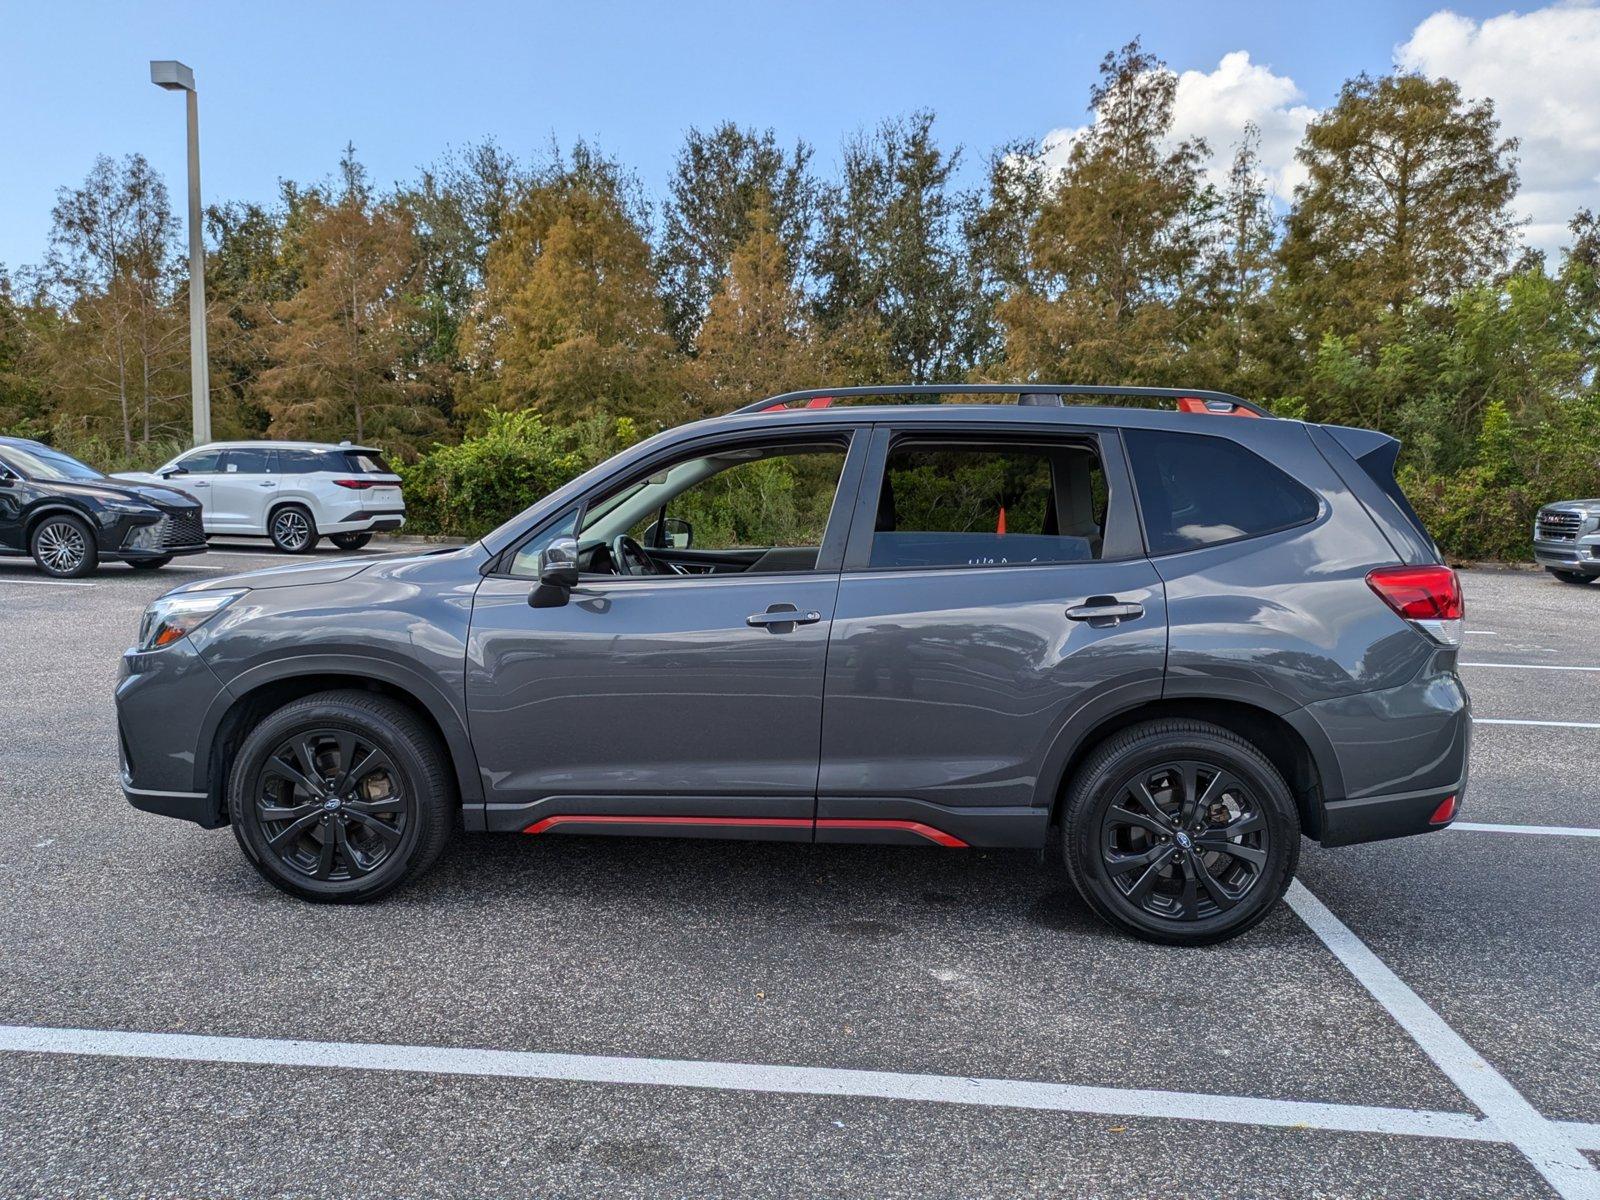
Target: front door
x,y
672,693
995,593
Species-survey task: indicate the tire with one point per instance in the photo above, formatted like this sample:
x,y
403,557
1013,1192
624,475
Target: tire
x,y
1148,883
150,564
292,529
1576,577
63,546
349,541
284,815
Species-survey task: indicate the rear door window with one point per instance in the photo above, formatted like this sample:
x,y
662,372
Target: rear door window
x,y
964,504
1196,490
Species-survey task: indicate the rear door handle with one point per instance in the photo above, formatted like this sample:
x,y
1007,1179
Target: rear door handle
x,y
1107,609
782,614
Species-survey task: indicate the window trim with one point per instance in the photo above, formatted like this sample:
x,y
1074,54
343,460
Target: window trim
x,y
1322,507
1121,538
830,554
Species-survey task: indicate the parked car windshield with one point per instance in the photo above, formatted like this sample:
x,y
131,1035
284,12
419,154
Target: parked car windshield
x,y
40,462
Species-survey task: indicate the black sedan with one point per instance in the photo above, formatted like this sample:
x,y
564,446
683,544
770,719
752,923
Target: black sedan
x,y
69,516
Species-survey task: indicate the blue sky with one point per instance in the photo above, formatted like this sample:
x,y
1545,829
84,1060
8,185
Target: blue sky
x,y
284,85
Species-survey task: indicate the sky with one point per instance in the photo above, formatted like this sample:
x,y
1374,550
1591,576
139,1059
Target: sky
x,y
284,86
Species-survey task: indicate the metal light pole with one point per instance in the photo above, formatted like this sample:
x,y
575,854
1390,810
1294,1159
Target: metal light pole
x,y
176,77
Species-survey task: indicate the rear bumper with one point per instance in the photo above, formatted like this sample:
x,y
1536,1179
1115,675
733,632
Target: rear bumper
x,y
367,521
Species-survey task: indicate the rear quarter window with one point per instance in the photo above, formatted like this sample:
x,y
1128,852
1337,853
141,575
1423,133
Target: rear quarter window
x,y
1196,490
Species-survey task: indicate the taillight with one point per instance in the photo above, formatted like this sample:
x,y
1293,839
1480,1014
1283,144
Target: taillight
x,y
1429,597
355,484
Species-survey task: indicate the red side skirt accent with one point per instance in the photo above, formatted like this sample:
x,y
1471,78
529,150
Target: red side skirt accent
x,y
917,827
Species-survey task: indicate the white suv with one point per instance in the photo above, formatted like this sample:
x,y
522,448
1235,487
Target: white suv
x,y
291,492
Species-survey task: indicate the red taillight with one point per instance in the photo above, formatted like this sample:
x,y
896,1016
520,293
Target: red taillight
x,y
1431,593
356,484
1446,812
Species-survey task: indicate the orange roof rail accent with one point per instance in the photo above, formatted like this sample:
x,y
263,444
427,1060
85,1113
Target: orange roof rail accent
x,y
1216,408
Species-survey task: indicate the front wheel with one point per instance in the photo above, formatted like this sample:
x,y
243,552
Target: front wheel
x,y
341,797
1181,832
150,564
1577,577
349,541
292,530
63,547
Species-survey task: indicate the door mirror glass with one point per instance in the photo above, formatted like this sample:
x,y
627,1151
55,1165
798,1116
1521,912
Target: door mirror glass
x,y
672,534
558,573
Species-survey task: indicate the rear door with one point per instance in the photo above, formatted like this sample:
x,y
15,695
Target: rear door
x,y
995,595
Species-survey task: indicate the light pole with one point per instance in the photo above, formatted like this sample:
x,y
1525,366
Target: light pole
x,y
176,77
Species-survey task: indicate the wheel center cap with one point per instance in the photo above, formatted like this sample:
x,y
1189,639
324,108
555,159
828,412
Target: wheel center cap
x,y
1182,839
332,804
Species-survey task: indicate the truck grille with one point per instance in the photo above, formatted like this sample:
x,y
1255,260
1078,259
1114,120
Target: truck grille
x,y
1559,526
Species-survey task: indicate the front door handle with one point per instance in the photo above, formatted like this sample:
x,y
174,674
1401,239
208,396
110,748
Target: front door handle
x,y
782,614
1105,610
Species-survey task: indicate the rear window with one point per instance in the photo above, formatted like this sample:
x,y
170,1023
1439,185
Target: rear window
x,y
1196,490
944,504
366,462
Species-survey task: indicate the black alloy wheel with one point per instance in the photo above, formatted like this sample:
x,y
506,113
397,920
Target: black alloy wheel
x,y
63,546
341,796
1180,831
293,530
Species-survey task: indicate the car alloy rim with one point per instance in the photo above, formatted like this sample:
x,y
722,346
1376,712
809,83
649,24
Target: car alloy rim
x,y
291,530
1184,840
330,805
61,546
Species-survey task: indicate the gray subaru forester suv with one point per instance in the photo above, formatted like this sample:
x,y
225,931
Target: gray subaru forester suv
x,y
1161,645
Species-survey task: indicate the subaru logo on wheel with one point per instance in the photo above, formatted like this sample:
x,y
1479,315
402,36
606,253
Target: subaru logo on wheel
x,y
1182,839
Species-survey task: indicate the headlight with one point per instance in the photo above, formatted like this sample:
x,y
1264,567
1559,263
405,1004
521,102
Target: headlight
x,y
172,618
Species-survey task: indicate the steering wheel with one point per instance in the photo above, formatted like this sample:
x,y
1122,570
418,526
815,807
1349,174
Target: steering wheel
x,y
629,558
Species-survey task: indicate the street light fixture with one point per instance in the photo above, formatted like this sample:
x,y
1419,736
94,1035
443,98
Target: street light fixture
x,y
176,77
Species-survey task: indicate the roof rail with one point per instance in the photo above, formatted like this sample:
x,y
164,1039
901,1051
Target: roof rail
x,y
1027,393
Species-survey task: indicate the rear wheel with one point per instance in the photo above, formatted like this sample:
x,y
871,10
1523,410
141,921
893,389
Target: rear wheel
x,y
1577,577
292,529
63,546
341,797
150,564
349,541
1180,832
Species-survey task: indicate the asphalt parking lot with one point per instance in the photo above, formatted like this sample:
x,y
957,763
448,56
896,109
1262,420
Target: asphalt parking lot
x,y
579,1017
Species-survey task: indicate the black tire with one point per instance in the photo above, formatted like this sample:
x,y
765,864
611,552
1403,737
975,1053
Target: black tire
x,y
1110,835
149,564
293,529
349,541
63,546
285,818
1577,577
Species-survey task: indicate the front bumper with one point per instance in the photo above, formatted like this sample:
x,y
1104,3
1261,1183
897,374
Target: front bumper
x,y
1580,555
164,768
170,534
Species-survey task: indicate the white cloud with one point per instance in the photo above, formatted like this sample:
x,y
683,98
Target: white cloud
x,y
1542,70
1217,105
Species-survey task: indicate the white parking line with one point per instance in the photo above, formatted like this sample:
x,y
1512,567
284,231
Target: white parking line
x,y
1527,666
1543,830
47,582
1551,1148
1546,724
753,1077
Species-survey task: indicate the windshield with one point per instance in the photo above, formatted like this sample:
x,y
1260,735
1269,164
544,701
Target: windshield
x,y
40,462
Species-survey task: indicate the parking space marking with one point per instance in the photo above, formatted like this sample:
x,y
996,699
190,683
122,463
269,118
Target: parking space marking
x,y
1551,1148
754,1077
1546,724
1543,830
47,582
1527,666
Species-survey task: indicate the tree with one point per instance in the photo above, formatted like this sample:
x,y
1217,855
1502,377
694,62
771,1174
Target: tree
x,y
570,321
889,258
754,341
340,349
717,181
110,269
1406,201
1110,288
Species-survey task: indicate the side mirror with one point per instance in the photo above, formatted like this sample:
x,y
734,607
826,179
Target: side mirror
x,y
675,534
171,471
558,573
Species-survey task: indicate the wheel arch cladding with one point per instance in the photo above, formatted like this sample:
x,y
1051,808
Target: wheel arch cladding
x,y
227,729
1283,744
